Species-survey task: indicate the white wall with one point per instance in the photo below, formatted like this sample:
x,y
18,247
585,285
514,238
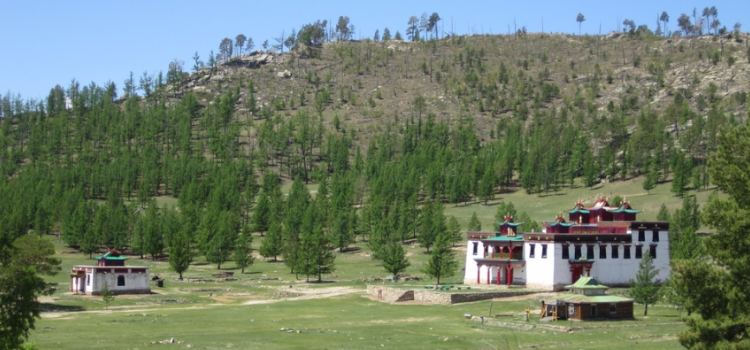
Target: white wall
x,y
540,272
470,273
134,281
554,271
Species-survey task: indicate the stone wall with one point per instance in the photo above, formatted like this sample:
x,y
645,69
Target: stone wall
x,y
391,295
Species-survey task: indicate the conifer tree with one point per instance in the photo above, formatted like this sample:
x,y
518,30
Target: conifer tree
x,y
663,214
427,229
454,228
152,235
222,244
487,187
261,214
505,209
317,258
644,289
474,224
107,295
242,256
179,252
442,262
394,258
649,183
273,243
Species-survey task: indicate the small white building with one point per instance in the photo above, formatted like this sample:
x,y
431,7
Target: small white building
x,y
120,279
598,241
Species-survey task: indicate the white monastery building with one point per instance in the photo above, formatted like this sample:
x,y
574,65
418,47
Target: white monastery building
x,y
599,241
111,269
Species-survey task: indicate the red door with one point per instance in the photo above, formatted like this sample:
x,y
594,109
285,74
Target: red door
x,y
577,272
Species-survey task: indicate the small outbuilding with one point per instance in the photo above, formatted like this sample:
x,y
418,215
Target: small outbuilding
x,y
110,269
587,300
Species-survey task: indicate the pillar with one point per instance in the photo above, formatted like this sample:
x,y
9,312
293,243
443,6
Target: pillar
x,y
498,276
510,275
488,273
479,270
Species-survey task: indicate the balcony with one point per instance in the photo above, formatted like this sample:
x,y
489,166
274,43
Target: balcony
x,y
504,256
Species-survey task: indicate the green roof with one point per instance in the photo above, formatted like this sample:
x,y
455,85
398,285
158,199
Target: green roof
x,y
107,256
578,210
505,238
579,298
511,224
624,209
586,283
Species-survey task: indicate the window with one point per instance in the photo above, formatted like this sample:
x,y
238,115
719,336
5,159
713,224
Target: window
x,y
602,251
593,310
531,250
626,254
639,251
652,251
615,251
590,252
566,252
88,280
577,254
120,281
613,309
641,235
544,251
476,248
571,310
655,236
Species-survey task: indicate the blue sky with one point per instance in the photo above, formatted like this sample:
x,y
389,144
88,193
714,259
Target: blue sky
x,y
45,43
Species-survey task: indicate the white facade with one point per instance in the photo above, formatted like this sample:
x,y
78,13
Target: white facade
x,y
555,269
119,279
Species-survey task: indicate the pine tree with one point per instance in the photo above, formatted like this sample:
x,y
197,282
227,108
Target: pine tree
x,y
644,289
179,252
442,262
504,210
242,256
107,295
474,224
487,187
663,214
316,257
394,258
650,182
272,244
427,229
221,245
261,214
454,228
152,234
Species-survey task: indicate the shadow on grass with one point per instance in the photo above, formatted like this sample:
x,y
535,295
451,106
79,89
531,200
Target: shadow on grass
x,y
49,307
350,249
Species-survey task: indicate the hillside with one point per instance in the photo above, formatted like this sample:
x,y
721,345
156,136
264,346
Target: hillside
x,y
490,78
390,128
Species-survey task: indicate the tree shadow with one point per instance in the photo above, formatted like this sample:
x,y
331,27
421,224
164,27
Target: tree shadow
x,y
49,307
350,249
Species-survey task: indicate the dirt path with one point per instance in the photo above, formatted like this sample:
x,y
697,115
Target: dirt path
x,y
308,294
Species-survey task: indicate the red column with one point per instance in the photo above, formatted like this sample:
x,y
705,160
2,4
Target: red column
x,y
510,274
488,273
498,276
479,269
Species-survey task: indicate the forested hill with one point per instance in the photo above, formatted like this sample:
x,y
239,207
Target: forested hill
x,y
390,130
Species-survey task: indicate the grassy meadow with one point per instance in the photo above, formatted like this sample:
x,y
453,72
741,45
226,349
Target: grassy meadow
x,y
338,314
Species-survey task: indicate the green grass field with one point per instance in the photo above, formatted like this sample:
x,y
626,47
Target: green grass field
x,y
338,314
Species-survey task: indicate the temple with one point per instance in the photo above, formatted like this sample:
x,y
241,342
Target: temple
x,y
110,269
595,241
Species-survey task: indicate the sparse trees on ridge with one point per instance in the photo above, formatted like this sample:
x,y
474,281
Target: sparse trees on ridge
x,y
580,18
